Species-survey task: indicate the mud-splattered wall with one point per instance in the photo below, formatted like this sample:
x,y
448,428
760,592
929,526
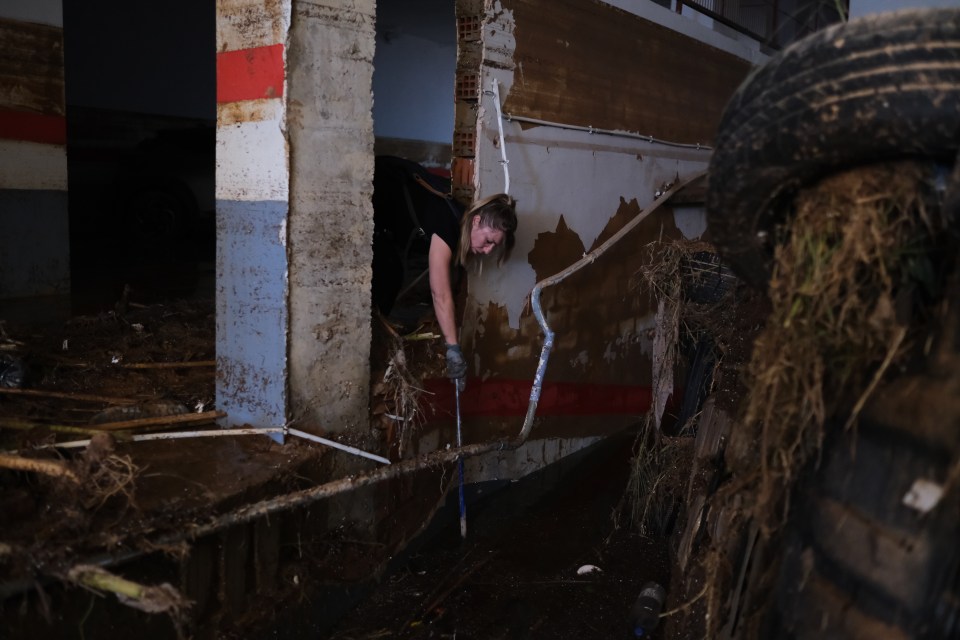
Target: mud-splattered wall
x,y
34,242
601,108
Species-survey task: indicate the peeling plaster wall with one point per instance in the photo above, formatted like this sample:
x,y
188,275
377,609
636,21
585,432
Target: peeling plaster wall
x,y
624,66
331,219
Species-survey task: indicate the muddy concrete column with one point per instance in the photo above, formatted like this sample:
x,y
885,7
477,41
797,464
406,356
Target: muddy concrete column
x,y
294,219
330,75
34,238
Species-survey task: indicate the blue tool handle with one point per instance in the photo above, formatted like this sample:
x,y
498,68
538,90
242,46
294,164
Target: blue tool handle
x,y
463,503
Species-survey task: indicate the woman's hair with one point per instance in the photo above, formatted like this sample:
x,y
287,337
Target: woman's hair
x,y
499,212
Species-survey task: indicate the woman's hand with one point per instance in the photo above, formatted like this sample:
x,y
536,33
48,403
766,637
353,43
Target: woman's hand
x,y
456,366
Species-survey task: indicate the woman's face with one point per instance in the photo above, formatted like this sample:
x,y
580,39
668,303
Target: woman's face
x,y
484,239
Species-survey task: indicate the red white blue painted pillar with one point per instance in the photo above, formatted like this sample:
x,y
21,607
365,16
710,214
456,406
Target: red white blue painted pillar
x,y
252,179
34,230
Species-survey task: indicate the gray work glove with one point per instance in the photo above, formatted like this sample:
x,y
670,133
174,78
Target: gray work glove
x,y
456,365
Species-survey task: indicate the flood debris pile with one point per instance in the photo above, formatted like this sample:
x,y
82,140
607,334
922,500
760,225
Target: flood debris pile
x,y
706,321
857,274
80,475
400,364
90,479
100,455
86,387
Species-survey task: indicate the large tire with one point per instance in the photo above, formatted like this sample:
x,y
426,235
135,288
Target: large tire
x,y
858,562
882,87
861,563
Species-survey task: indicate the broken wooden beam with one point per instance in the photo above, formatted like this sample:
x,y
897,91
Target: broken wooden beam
x,y
169,365
206,416
83,397
51,468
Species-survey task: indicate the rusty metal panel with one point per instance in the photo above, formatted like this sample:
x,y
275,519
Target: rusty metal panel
x,y
31,67
590,64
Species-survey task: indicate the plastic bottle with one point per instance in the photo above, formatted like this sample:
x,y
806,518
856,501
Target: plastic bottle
x,y
645,614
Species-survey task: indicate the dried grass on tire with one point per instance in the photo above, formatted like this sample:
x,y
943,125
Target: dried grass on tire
x,y
857,244
861,252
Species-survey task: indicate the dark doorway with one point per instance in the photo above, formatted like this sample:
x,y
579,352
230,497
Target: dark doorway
x,y
141,137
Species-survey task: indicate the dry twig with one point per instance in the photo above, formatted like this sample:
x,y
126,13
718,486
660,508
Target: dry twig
x,y
52,468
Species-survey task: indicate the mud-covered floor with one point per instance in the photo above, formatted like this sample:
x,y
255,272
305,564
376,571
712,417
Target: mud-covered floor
x,y
129,370
520,571
141,357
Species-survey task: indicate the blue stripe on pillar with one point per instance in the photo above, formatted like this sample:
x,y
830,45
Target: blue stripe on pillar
x,y
34,243
252,316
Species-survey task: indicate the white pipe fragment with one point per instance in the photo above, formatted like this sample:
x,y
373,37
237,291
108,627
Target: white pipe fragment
x,y
337,445
503,140
210,433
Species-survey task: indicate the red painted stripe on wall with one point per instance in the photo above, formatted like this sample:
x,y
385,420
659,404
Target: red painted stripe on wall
x,y
510,398
32,127
250,74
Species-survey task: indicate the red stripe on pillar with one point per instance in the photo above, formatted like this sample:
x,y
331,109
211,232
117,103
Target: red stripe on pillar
x,y
33,127
250,74
510,398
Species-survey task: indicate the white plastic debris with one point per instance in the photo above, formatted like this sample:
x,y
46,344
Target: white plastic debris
x,y
923,495
137,327
66,345
116,359
587,568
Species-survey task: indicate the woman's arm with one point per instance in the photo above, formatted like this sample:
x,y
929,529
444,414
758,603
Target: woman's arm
x,y
439,260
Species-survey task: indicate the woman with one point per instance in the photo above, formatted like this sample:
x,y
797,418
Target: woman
x,y
486,226
414,215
